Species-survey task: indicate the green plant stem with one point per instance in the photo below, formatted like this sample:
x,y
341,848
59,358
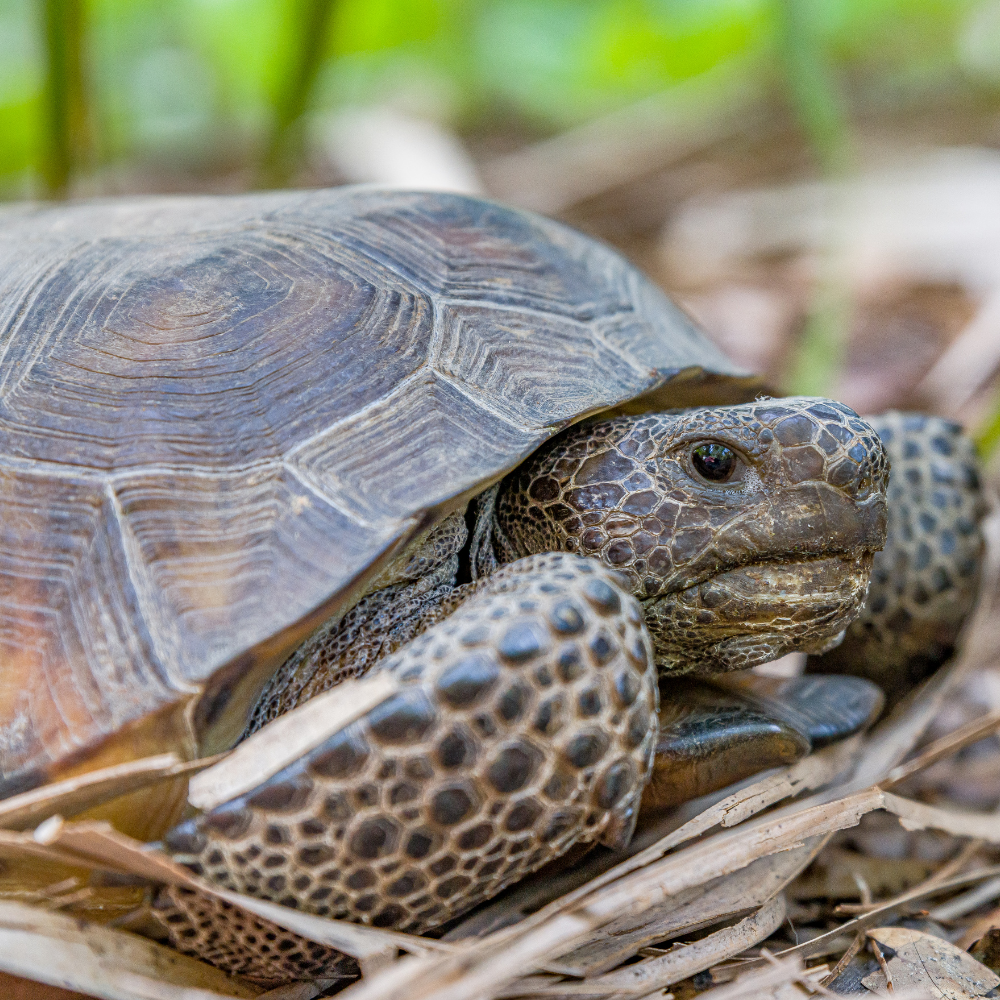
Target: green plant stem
x,y
811,86
987,436
285,144
65,109
819,358
817,107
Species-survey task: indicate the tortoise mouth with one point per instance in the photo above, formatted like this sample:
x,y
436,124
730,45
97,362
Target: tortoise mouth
x,y
783,568
750,614
788,585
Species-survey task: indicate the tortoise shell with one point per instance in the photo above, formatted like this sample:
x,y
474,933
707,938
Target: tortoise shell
x,y
219,417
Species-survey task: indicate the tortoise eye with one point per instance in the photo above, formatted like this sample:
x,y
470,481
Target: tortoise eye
x,y
714,462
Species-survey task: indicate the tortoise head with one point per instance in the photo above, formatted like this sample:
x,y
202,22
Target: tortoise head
x,y
747,531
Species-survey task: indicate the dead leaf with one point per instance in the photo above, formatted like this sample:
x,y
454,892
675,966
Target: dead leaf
x,y
643,978
923,960
833,875
722,898
987,948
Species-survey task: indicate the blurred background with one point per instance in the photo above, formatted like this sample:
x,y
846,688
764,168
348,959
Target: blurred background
x,y
817,181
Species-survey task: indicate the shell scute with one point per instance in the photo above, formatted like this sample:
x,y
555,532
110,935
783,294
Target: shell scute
x,y
205,402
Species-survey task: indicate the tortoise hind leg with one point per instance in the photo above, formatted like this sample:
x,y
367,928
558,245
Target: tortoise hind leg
x,y
241,943
522,724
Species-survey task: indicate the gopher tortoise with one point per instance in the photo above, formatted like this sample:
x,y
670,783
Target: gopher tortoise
x,y
256,448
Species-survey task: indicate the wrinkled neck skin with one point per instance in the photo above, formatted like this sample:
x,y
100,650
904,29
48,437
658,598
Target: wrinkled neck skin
x,y
732,570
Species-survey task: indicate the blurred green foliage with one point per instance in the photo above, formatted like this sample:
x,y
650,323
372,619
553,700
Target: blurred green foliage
x,y
216,85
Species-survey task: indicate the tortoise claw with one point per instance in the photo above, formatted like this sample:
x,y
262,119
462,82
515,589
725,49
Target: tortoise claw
x,y
722,730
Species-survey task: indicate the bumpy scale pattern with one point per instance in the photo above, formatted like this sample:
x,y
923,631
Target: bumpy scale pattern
x,y
243,944
924,582
624,490
525,723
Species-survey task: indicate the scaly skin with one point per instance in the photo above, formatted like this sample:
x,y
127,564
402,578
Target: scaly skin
x,y
528,716
730,574
925,580
525,722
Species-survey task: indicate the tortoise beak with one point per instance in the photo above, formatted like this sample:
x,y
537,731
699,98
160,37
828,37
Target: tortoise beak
x,y
816,518
811,520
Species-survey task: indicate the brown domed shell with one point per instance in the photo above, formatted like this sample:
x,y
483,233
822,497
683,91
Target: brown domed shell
x,y
220,416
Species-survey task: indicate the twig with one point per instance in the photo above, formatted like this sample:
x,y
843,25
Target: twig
x,y
633,981
859,938
980,928
817,944
759,983
961,905
802,977
883,964
865,892
845,959
962,737
949,868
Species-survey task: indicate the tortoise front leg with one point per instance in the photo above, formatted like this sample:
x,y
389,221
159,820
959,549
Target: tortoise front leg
x,y
524,723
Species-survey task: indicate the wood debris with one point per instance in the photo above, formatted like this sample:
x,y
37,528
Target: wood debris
x,y
74,954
